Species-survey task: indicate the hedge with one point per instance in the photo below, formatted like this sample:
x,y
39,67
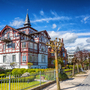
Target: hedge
x,y
20,79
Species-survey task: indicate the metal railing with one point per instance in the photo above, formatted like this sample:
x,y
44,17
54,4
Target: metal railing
x,y
25,82
18,82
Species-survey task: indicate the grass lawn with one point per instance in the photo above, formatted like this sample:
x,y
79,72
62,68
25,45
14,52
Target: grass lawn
x,y
18,86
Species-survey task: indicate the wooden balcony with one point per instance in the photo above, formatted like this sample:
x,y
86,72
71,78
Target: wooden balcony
x,y
6,40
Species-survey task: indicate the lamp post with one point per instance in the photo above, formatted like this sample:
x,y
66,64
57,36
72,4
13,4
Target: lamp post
x,y
55,45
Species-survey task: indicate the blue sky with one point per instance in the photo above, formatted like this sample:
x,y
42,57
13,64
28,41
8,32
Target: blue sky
x,y
67,19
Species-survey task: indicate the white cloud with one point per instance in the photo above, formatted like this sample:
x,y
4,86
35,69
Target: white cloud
x,y
17,22
83,34
88,40
68,37
54,26
42,12
71,40
52,19
54,13
58,28
85,19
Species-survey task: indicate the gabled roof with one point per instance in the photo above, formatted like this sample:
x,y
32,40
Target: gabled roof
x,y
40,32
10,28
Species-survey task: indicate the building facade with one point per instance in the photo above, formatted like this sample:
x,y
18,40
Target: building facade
x,y
23,45
61,53
70,57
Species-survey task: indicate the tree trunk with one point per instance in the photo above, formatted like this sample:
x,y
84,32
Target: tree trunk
x,y
81,68
77,68
56,66
73,72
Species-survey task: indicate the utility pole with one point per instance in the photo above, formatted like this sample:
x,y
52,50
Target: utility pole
x,y
55,45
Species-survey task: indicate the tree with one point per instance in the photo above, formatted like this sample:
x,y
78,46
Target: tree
x,y
60,62
13,64
29,65
55,45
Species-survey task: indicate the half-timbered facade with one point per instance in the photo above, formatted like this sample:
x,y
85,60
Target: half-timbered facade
x,y
23,45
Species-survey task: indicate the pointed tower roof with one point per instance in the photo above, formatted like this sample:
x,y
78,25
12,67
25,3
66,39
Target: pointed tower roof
x,y
27,21
77,49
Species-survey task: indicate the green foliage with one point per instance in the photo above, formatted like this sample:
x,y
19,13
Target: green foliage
x,y
18,71
79,66
67,70
63,67
63,76
60,61
31,70
49,75
75,66
20,79
29,64
2,75
8,73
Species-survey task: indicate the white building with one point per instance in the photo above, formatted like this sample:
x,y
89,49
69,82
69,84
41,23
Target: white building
x,y
70,56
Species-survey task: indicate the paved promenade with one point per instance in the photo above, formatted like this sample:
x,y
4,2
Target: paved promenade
x,y
79,82
85,84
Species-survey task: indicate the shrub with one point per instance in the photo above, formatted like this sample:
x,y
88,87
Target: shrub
x,y
63,76
31,70
20,79
2,75
70,66
67,70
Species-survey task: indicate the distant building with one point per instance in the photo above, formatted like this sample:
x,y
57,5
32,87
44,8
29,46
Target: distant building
x,y
82,55
23,45
51,57
70,56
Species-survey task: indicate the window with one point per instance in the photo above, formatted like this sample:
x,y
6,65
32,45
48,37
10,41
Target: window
x,y
8,35
42,38
63,54
62,49
30,59
13,45
52,62
4,47
13,58
35,58
43,48
43,58
23,31
23,44
52,54
23,58
35,46
64,61
4,59
9,45
31,45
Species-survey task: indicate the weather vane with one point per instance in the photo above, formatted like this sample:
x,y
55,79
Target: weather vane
x,y
27,10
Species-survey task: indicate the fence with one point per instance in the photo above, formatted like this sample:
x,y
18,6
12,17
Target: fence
x,y
25,82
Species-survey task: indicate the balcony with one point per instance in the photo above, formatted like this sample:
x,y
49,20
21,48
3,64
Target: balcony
x,y
5,39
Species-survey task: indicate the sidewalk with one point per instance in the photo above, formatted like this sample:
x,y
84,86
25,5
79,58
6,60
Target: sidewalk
x,y
70,84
